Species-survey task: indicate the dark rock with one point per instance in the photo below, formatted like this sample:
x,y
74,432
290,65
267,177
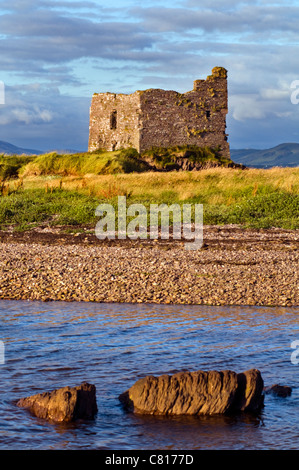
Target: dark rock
x,y
279,390
63,405
249,395
196,393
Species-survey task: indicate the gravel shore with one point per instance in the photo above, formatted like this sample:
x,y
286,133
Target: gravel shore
x,y
234,267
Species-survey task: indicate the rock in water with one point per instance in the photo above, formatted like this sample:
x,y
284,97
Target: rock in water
x,y
250,391
279,390
196,393
63,405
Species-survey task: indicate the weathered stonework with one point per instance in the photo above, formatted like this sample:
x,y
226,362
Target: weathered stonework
x,y
161,118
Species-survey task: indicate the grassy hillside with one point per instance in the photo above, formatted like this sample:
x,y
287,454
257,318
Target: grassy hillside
x,y
80,164
52,191
57,189
103,162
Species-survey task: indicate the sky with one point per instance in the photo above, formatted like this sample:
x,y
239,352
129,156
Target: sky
x,y
54,54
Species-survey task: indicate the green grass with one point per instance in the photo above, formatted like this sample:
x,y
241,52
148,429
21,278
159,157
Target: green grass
x,y
122,161
165,158
27,208
65,190
274,210
102,162
10,165
32,207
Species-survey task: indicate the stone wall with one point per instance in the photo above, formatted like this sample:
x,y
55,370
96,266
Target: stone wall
x,y
159,118
114,121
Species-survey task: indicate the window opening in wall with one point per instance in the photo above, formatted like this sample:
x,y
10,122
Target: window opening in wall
x,y
208,114
113,120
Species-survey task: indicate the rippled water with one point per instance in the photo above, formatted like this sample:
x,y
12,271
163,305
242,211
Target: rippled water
x,y
50,345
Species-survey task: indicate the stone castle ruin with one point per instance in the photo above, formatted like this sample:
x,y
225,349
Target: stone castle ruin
x,y
161,118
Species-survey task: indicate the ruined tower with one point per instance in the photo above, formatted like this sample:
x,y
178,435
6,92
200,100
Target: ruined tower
x,y
162,118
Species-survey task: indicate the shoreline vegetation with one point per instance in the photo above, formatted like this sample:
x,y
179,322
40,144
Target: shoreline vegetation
x,y
55,189
49,250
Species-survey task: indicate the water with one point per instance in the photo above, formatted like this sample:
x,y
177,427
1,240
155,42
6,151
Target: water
x,y
50,345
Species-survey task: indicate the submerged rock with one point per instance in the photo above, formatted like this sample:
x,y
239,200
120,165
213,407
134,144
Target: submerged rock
x,y
63,405
196,393
279,390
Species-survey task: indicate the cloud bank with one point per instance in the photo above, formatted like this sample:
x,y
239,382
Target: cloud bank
x,y
55,54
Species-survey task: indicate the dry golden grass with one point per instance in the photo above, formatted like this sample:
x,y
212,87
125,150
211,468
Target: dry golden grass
x,y
257,198
215,185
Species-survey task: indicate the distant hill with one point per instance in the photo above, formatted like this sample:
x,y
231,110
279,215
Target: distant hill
x,y
10,149
282,155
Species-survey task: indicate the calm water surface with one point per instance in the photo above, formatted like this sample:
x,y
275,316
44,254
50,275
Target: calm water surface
x,y
50,345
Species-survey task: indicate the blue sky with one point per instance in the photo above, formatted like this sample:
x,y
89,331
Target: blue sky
x,y
55,54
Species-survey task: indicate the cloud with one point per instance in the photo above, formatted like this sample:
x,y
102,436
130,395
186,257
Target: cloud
x,y
247,107
264,119
39,36
244,18
27,115
35,37
40,117
69,49
274,94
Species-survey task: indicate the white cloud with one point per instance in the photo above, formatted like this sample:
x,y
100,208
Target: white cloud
x,y
41,116
274,94
26,115
246,107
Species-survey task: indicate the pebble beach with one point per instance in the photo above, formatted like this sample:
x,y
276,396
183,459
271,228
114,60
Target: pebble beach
x,y
235,266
